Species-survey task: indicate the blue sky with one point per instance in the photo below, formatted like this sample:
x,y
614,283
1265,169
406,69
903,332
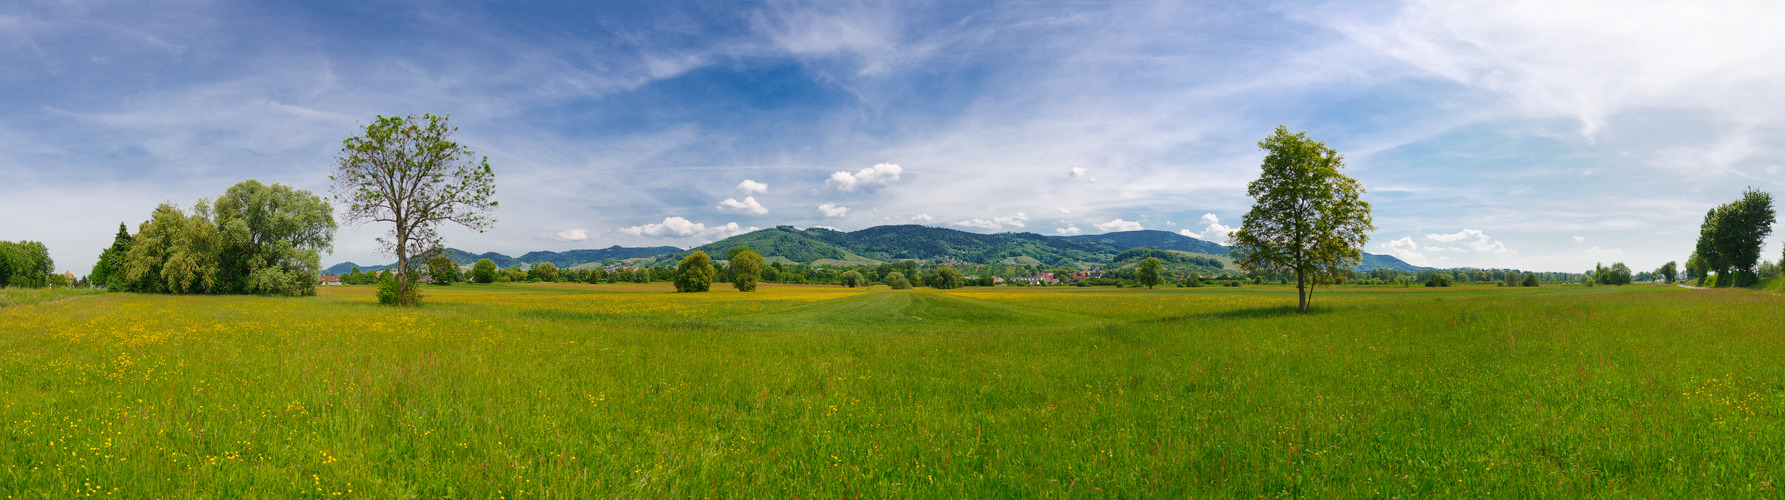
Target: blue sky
x,y
1490,134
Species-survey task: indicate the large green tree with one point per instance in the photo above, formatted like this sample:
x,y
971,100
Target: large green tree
x,y
1308,219
1148,271
484,271
442,271
695,274
545,271
946,278
108,272
408,172
272,238
852,278
745,268
1731,237
175,252
25,264
1670,270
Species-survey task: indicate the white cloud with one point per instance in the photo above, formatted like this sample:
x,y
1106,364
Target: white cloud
x,y
1404,249
573,234
749,206
1566,59
922,218
750,186
832,210
1081,174
1212,231
1604,254
677,227
1118,225
1474,239
994,223
1578,239
868,178
1067,231
1065,211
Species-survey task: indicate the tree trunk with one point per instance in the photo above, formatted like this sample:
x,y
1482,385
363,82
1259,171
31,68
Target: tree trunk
x,y
1301,292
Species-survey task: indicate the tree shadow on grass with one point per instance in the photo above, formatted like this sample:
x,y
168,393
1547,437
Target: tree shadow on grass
x,y
1252,313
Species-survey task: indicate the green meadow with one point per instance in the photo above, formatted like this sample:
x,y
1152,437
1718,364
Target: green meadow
x,y
579,391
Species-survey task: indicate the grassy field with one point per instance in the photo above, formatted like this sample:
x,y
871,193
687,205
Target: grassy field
x,y
13,296
631,391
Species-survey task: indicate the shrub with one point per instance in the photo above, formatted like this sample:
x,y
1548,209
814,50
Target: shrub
x,y
853,279
897,280
387,291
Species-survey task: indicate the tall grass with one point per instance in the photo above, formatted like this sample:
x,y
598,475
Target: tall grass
x,y
14,296
629,390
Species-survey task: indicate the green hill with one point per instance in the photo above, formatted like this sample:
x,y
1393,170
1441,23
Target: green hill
x,y
881,244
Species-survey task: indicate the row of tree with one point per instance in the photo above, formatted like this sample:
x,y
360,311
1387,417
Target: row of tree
x,y
254,239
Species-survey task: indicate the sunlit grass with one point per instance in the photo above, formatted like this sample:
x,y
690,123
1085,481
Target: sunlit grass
x,y
13,296
631,390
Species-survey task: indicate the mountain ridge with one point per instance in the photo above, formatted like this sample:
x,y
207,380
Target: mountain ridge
x,y
880,244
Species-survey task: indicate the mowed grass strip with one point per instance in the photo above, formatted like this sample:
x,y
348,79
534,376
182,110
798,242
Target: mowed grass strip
x,y
630,390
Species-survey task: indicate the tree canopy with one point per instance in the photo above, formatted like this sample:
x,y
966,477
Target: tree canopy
x,y
271,238
1731,236
442,270
408,172
484,271
25,264
1308,219
946,278
108,271
1148,271
745,268
695,274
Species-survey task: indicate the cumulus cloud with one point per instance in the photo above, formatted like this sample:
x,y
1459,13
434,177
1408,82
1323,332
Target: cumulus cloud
x,y
1404,249
922,218
573,234
866,179
1118,225
677,227
750,186
1065,211
1578,239
994,223
832,210
1474,239
749,206
1067,231
1212,231
1079,173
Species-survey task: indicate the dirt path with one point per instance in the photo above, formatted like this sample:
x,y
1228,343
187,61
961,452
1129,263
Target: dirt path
x,y
1682,285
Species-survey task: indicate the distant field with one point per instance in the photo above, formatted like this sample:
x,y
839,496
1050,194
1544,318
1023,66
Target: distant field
x,y
628,390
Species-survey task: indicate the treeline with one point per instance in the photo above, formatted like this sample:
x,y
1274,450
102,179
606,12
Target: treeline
x,y
1445,277
254,239
27,264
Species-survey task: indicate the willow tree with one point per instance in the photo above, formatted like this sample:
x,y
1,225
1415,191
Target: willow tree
x,y
1308,219
408,172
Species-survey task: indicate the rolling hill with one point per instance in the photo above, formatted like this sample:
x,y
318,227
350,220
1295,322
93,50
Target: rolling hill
x,y
879,244
564,259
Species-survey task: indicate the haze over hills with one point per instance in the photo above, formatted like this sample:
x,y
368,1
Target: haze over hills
x,y
879,244
561,259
